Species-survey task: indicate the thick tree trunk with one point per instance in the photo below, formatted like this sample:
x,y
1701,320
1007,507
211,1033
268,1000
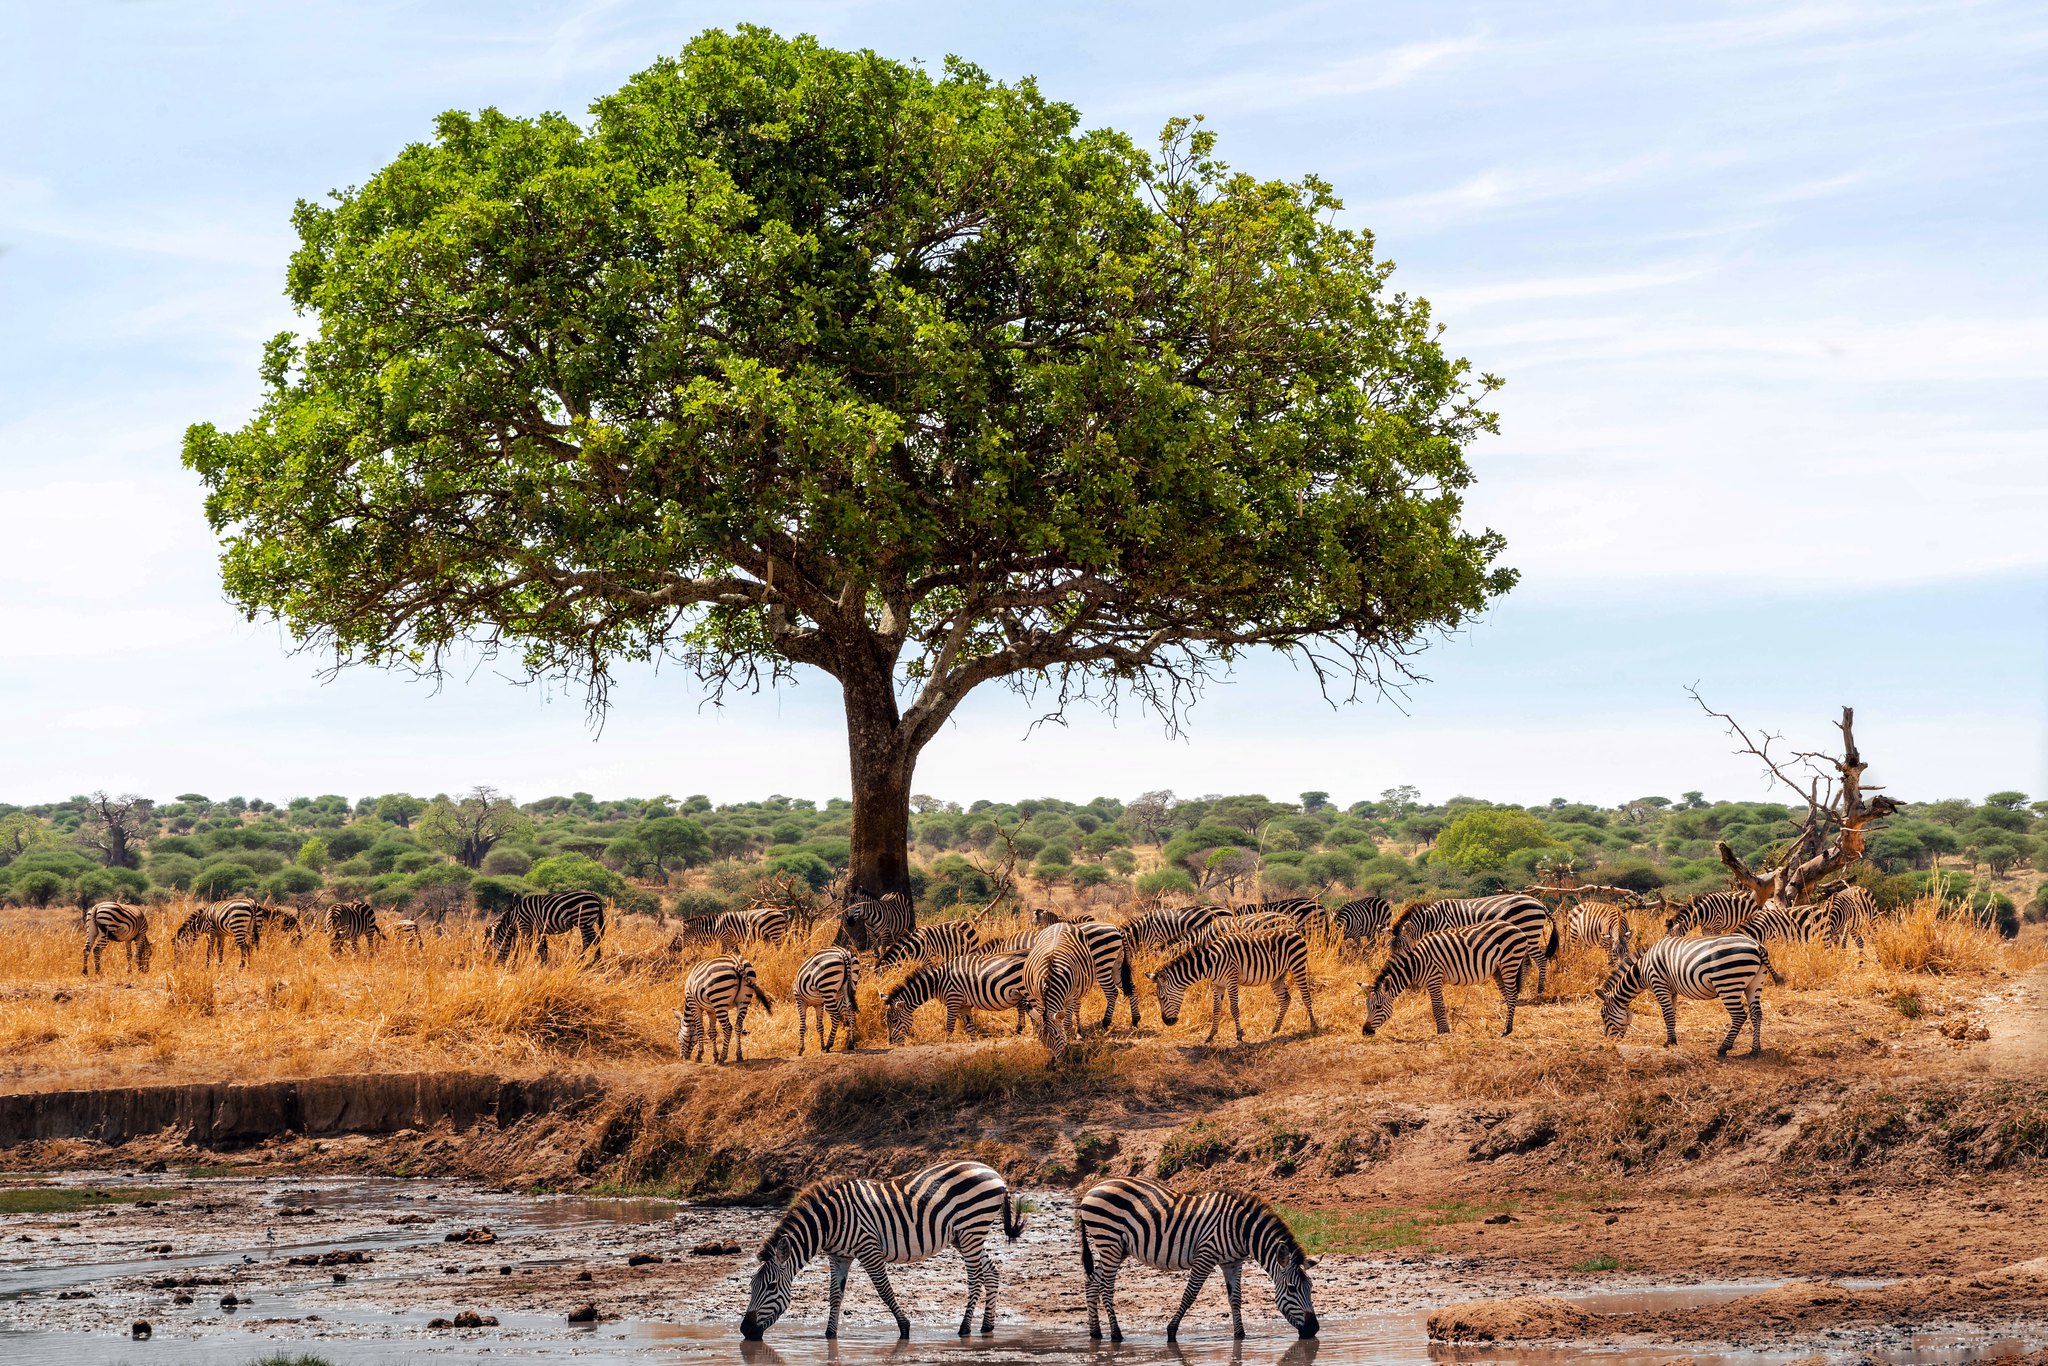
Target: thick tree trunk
x,y
883,761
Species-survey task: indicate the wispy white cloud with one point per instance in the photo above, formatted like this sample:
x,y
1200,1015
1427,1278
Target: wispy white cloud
x,y
1501,189
1314,83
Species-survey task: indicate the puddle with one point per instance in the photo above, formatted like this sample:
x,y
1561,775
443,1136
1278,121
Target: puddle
x,y
553,1252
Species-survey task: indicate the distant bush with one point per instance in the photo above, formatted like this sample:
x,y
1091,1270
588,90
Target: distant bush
x,y
801,864
1089,874
506,861
36,886
698,904
494,894
290,881
218,880
1166,880
576,873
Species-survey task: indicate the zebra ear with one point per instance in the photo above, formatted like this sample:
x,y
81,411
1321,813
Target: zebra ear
x,y
1309,1263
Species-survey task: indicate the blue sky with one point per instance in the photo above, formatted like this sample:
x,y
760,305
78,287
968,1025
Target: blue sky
x,y
1766,282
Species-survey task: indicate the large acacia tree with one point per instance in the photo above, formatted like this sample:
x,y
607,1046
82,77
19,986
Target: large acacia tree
x,y
790,357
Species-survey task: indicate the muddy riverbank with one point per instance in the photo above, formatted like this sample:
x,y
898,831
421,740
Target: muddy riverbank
x,y
359,1270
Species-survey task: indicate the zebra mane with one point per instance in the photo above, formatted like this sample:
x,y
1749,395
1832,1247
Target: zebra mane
x,y
1401,913
817,1190
1272,1217
1201,949
1397,965
924,975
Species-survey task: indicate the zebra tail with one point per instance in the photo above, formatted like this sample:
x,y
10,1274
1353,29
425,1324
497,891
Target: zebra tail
x,y
1776,978
1123,970
1013,1225
1087,1252
1550,949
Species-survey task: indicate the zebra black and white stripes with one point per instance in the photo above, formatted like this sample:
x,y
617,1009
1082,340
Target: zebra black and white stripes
x,y
826,984
1599,925
1715,913
1129,1218
939,942
1490,950
531,919
1232,960
1525,911
1056,972
1173,926
110,922
1728,968
1802,924
238,920
983,982
848,1220
349,924
716,996
1361,922
873,923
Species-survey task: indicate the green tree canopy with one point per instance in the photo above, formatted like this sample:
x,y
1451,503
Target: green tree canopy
x,y
794,356
1481,840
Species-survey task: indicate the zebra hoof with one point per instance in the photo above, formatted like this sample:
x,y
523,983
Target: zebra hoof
x,y
903,1330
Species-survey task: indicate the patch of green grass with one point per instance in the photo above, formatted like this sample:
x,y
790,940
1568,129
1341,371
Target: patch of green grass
x,y
1384,1228
212,1169
68,1199
1025,1205
1598,1264
287,1359
1196,1147
1908,1003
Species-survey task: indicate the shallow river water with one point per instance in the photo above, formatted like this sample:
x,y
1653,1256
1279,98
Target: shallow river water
x,y
72,1285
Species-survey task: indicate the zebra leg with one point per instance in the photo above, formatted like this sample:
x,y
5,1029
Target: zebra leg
x,y
978,1268
1204,1264
1286,999
1511,993
878,1272
840,1266
1738,1011
85,963
1436,1008
739,1030
1668,1003
1106,1268
1236,1020
1308,1003
1230,1283
1756,1022
803,1020
1020,1015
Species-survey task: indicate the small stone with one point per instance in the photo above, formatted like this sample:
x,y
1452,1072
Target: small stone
x,y
340,1277
583,1313
439,1323
583,1275
140,1330
469,1318
643,1259
1508,1219
181,1298
504,1271
229,1301
715,1249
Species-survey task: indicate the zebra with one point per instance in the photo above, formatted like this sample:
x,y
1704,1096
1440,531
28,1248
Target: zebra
x,y
875,1222
1361,922
286,922
1129,1216
536,917
1602,925
715,988
408,933
826,983
939,942
1715,913
983,982
1519,908
1803,924
1173,926
238,920
1302,910
1278,955
1056,972
1729,968
1489,950
873,923
1851,914
766,923
351,924
112,923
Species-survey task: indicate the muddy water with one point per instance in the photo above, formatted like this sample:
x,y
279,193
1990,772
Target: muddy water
x,y
70,1286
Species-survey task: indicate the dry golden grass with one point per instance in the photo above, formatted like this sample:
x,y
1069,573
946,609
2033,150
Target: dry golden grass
x,y
300,1010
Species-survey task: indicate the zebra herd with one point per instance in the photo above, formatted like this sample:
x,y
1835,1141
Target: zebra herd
x,y
347,926
960,1204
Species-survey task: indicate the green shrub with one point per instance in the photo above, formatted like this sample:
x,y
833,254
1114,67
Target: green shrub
x,y
494,894
576,873
290,881
505,861
813,870
698,904
1166,881
218,880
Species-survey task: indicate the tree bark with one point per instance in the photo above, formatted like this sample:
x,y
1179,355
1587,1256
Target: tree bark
x,y
883,761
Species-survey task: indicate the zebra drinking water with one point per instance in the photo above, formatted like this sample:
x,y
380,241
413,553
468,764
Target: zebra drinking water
x,y
873,1222
1130,1217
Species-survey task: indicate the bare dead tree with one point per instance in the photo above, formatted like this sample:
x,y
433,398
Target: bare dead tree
x,y
1003,877
1840,811
112,825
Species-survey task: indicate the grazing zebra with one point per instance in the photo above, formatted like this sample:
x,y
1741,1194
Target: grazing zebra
x,y
848,1219
1278,955
1729,968
873,923
1803,924
826,983
715,989
1526,911
1173,926
983,982
284,921
939,942
238,920
350,925
1490,950
1715,913
112,923
408,933
534,918
1128,1216
766,923
1851,914
1602,925
1109,963
1362,921
1056,972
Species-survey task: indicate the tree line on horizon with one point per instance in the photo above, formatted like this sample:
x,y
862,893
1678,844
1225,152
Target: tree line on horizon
x,y
692,857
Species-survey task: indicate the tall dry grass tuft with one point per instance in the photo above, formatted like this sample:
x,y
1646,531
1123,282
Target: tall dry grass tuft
x,y
1935,937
